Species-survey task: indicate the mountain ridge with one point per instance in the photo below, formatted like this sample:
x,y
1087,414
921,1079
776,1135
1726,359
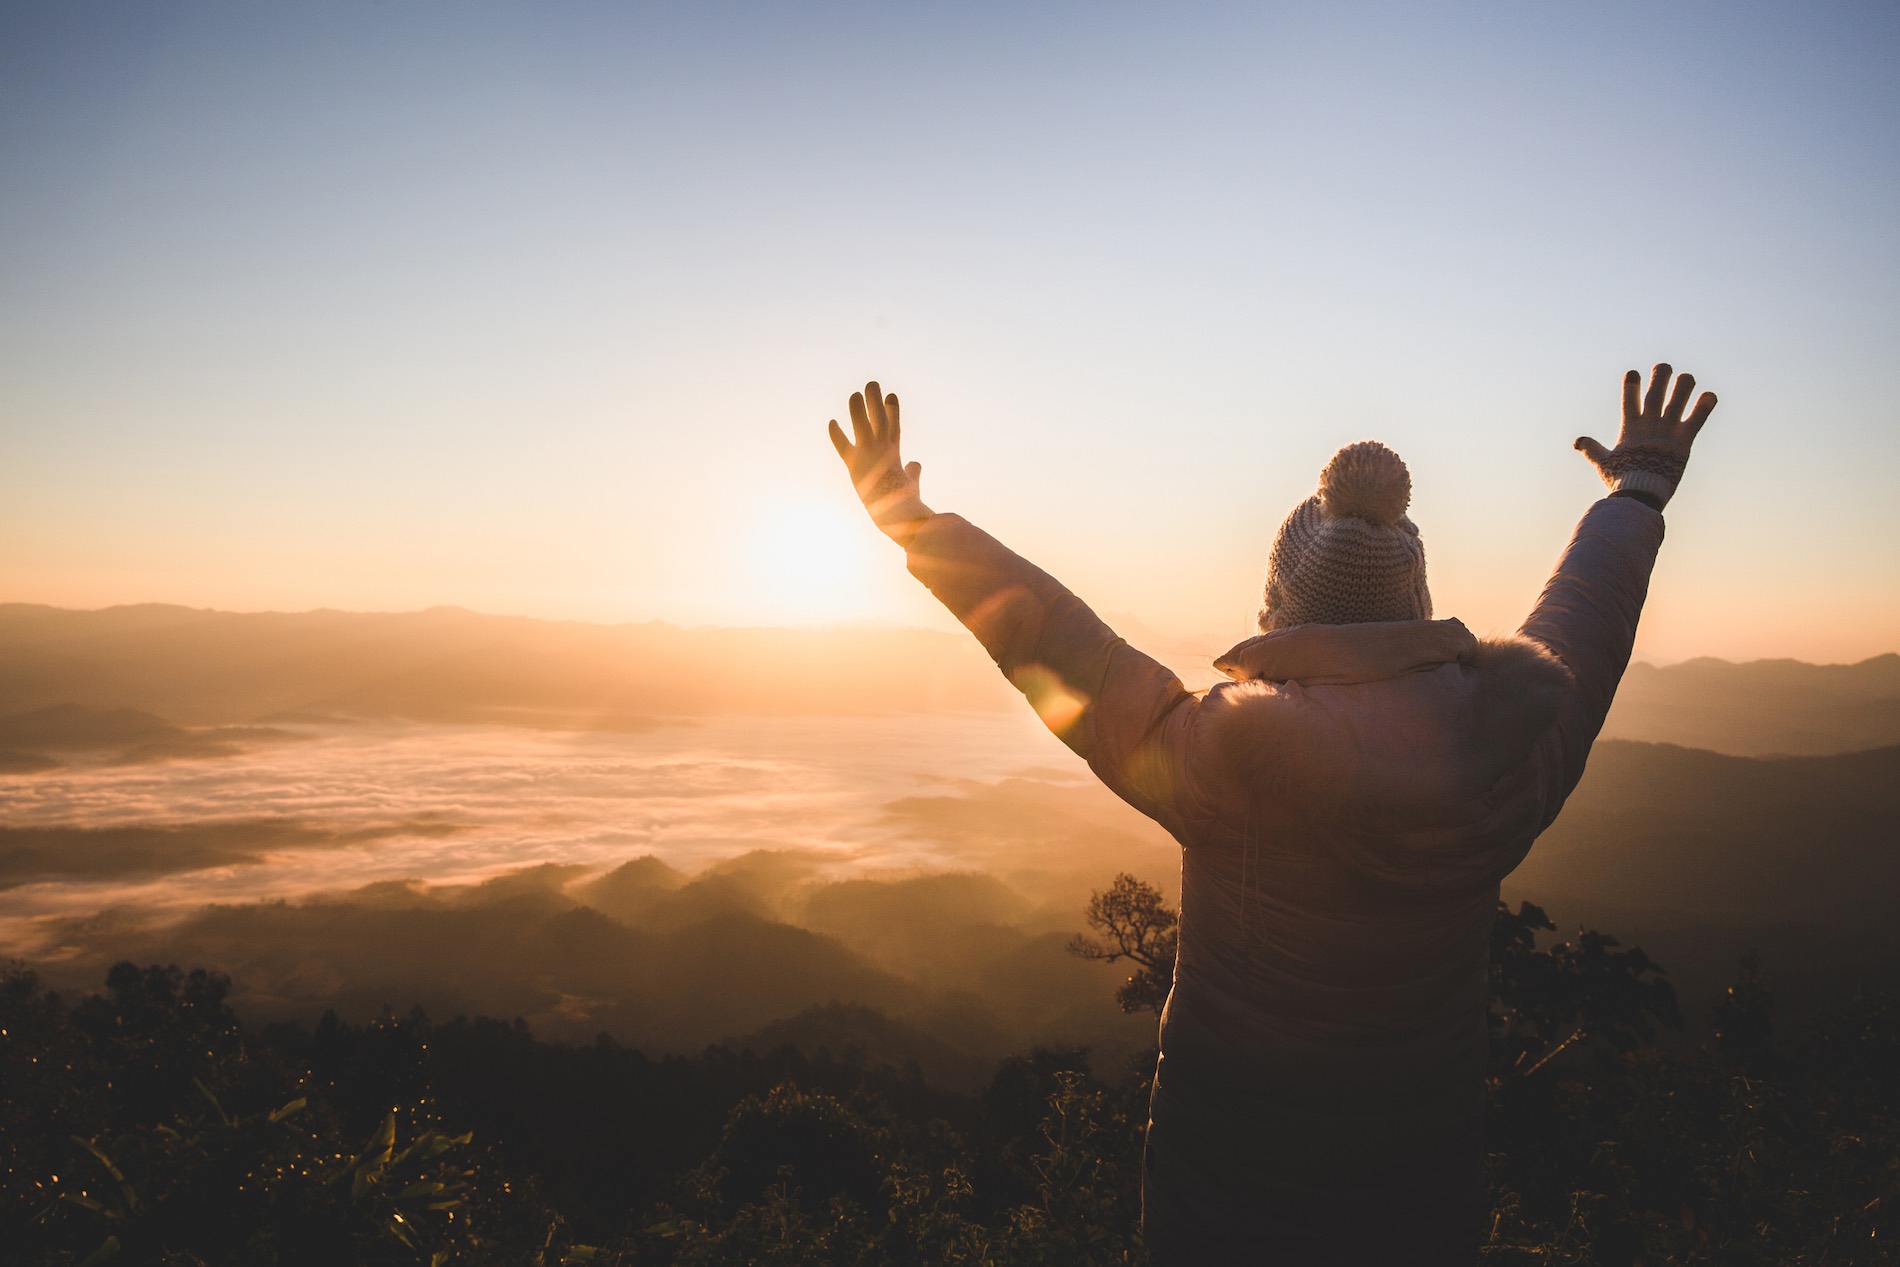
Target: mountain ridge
x,y
205,667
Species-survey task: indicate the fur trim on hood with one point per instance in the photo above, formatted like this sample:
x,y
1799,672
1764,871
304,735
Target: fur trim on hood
x,y
1376,724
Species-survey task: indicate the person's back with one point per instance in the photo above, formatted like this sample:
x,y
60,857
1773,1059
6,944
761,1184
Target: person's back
x,y
1324,1044
1347,805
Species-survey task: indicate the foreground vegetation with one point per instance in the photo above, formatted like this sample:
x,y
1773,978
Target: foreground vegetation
x,y
145,1124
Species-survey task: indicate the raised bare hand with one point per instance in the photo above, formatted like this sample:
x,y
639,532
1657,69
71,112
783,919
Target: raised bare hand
x,y
887,487
1654,442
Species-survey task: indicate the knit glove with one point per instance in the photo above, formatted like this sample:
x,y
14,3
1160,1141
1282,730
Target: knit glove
x,y
887,487
1653,445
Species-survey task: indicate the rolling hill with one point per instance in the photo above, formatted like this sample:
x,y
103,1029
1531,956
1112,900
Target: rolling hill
x,y
209,668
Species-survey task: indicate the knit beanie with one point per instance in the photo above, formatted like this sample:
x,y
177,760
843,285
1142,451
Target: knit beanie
x,y
1348,554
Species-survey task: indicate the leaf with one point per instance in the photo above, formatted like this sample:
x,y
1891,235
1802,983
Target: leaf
x,y
375,1155
399,1228
295,1106
125,1189
107,1251
103,1159
433,1144
206,1093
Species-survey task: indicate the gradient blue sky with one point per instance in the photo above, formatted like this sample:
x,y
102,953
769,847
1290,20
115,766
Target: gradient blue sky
x,y
542,309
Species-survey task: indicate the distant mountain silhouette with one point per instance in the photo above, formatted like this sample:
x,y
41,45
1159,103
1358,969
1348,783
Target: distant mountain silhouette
x,y
701,964
445,664
209,668
1762,708
931,926
1699,856
120,736
69,728
67,852
13,761
1655,828
635,892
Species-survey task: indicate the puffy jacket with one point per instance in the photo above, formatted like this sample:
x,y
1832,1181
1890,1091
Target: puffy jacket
x,y
1346,805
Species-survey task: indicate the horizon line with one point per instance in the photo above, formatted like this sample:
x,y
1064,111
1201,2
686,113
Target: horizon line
x,y
860,625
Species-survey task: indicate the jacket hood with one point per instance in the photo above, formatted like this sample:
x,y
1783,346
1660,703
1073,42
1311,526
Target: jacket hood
x,y
1344,655
1407,746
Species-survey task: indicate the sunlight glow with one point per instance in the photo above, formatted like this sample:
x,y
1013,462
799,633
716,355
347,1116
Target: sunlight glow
x,y
811,561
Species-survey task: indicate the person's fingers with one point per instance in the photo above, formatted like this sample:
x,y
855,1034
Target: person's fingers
x,y
1632,391
1658,385
1679,398
1592,450
915,470
874,407
1704,406
890,409
860,421
838,442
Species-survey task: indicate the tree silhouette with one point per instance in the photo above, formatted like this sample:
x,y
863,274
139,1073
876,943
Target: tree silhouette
x,y
1545,1002
1133,923
146,1122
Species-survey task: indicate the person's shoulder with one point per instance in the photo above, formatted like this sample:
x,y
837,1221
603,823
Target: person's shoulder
x,y
1515,665
1242,725
1517,687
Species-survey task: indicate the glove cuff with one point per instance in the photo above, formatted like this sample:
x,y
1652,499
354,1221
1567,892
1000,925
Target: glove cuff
x,y
1643,469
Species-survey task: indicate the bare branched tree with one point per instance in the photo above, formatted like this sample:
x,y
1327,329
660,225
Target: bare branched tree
x,y
1132,922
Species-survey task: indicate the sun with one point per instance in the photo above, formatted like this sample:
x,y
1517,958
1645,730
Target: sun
x,y
813,561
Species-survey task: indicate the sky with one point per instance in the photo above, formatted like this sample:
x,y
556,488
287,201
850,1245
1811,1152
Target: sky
x,y
543,309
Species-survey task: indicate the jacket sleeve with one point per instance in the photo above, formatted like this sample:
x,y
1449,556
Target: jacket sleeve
x,y
1587,617
1121,711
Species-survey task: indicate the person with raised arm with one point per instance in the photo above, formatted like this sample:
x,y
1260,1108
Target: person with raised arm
x,y
1347,803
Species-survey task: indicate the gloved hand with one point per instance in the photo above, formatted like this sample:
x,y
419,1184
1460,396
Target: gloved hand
x,y
1653,445
887,487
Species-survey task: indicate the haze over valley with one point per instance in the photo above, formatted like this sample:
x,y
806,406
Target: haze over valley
x,y
853,837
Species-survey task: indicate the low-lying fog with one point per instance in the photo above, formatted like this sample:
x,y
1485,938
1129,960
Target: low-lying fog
x,y
902,882
677,885
329,807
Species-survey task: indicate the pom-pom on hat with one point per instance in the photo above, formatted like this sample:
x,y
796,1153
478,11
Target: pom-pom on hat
x,y
1348,554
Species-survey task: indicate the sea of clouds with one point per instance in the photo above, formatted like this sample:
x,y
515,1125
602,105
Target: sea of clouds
x,y
348,804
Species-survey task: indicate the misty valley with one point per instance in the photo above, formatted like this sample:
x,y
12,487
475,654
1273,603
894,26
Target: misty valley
x,y
796,858
680,839
674,888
